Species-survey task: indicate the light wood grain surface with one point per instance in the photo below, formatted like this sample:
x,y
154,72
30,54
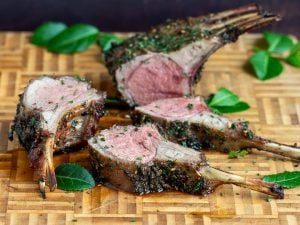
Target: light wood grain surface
x,y
274,113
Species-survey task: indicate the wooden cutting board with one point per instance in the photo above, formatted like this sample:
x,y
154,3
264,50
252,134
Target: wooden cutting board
x,y
274,113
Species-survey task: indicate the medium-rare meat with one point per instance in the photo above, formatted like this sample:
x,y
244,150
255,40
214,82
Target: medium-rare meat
x,y
141,161
165,62
189,122
56,115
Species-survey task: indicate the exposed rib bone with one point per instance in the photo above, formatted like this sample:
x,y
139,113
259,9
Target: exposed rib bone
x,y
251,183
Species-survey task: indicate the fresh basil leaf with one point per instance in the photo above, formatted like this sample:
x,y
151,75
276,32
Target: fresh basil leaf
x,y
294,57
265,66
47,31
237,154
239,107
223,97
285,179
106,40
278,43
76,38
73,177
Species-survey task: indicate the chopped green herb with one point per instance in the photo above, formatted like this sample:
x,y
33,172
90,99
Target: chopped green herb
x,y
139,158
253,162
237,154
62,97
105,147
149,135
102,139
62,82
74,123
190,106
269,199
71,102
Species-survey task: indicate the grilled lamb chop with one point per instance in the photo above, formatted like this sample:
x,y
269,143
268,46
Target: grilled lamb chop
x,y
165,62
189,121
141,161
56,115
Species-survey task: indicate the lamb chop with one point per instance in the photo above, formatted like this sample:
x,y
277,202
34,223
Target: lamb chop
x,y
56,115
165,62
139,160
189,122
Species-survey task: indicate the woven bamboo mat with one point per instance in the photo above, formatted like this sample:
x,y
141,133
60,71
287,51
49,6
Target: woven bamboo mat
x,y
274,113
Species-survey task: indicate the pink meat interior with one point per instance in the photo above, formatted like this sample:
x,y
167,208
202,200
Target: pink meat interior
x,y
136,144
175,108
155,78
47,94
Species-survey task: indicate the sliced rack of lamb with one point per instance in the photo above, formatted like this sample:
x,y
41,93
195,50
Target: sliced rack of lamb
x,y
56,115
189,121
165,62
139,160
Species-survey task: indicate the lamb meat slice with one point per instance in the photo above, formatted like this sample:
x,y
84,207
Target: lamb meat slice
x,y
139,160
165,62
189,121
56,115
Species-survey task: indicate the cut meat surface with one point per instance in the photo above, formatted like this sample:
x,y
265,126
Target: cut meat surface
x,y
158,67
148,163
189,121
165,62
55,115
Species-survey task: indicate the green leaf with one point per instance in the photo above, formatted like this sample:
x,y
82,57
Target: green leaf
x,y
225,101
294,57
285,179
223,97
239,107
106,40
265,66
237,154
76,38
278,43
47,31
73,177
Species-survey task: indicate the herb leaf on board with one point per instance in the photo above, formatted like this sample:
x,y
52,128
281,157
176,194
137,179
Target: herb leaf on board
x,y
294,57
239,107
73,177
47,31
278,43
237,154
265,66
106,40
285,179
76,38
225,101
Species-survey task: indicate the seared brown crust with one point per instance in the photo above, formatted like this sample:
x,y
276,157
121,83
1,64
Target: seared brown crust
x,y
236,137
40,143
156,176
173,35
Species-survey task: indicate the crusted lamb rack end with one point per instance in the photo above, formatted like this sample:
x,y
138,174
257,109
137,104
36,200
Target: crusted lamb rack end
x,y
56,115
189,121
139,160
165,62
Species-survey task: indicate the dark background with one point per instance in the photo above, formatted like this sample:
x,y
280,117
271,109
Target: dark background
x,y
131,15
